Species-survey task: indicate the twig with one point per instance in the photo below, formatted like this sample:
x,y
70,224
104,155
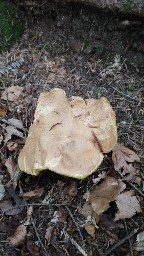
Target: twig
x,y
77,246
131,249
110,250
83,243
125,95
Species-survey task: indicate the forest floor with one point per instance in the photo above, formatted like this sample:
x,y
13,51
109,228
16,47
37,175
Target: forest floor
x,y
88,53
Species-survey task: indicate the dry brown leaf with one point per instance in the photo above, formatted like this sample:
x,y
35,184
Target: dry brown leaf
x,y
11,167
90,229
2,112
127,204
49,232
33,248
86,210
121,155
62,214
51,77
12,93
34,193
19,236
61,72
103,194
69,192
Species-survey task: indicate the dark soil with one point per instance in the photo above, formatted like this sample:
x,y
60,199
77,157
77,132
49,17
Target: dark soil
x,y
102,55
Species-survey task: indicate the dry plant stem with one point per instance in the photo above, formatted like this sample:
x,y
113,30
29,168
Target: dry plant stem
x,y
83,243
131,249
110,250
78,246
133,186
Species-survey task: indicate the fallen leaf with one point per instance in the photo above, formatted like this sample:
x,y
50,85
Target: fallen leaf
x,y
4,228
15,122
13,131
90,229
12,146
103,194
139,246
2,191
12,93
11,167
33,248
127,204
8,209
2,112
51,77
69,192
34,193
61,72
49,232
101,175
86,210
19,236
62,214
121,155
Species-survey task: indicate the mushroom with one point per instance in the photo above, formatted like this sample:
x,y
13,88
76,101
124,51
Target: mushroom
x,y
68,135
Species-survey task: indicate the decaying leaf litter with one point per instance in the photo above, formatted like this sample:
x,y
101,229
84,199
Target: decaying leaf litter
x,y
87,55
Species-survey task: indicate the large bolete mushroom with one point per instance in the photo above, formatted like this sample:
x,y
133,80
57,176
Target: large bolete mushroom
x,y
68,136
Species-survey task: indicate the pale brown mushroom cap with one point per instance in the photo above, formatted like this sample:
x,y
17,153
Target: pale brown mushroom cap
x,y
68,136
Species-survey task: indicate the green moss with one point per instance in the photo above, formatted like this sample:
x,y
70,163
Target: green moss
x,y
128,5
10,25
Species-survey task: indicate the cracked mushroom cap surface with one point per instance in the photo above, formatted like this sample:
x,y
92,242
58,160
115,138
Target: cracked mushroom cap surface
x,y
68,135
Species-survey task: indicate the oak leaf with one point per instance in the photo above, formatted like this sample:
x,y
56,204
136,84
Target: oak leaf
x,y
121,155
127,204
103,194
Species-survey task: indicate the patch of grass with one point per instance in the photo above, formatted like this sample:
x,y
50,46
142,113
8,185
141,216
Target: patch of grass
x,y
10,25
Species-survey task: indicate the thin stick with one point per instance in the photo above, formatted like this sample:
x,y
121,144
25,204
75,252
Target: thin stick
x,y
83,243
110,250
37,234
130,243
124,94
77,246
